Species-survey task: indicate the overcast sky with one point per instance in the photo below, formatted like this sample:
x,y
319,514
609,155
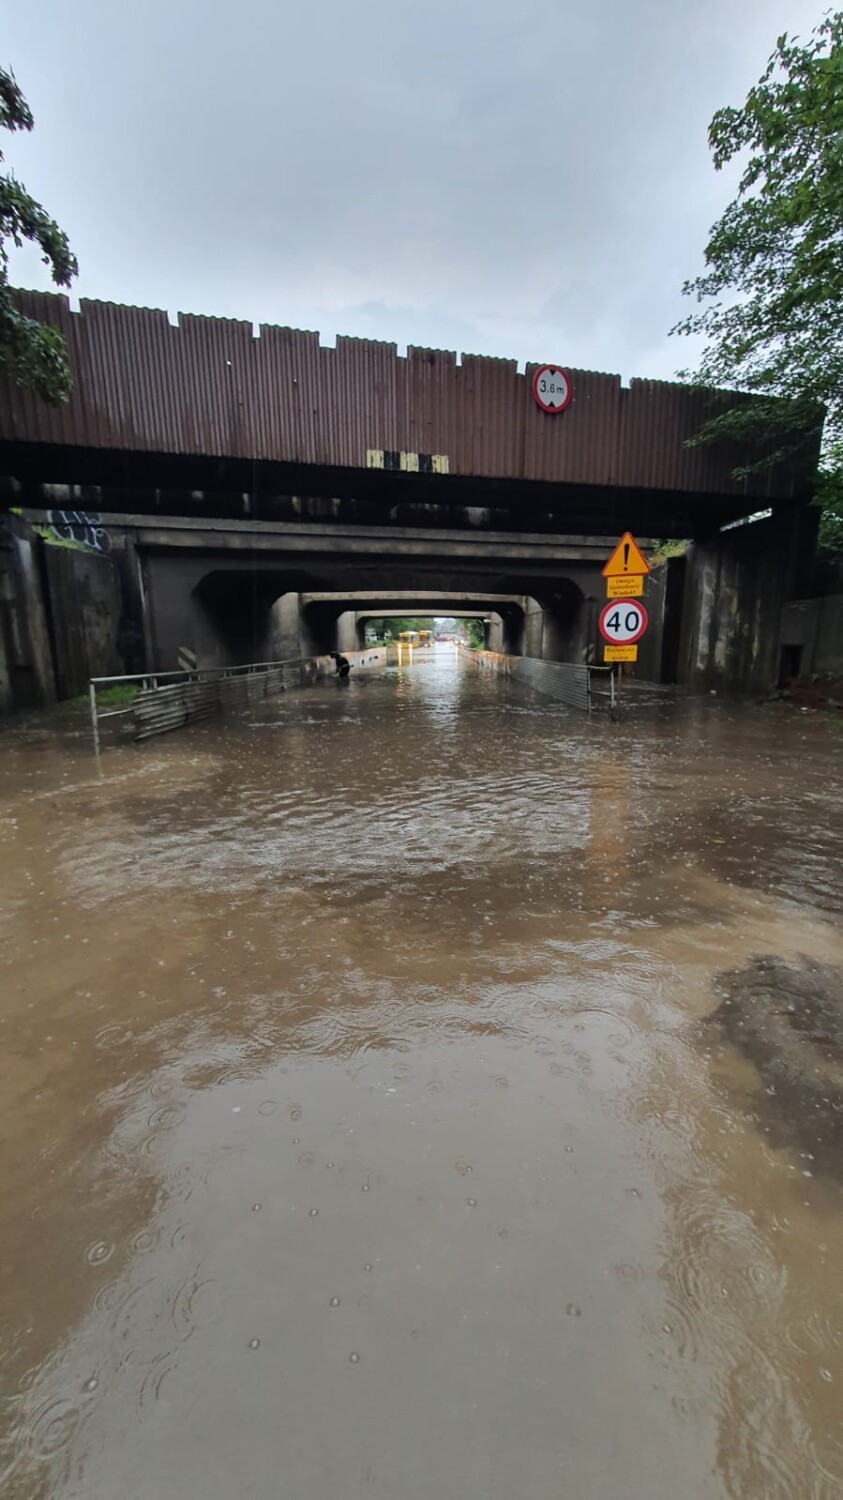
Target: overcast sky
x,y
528,178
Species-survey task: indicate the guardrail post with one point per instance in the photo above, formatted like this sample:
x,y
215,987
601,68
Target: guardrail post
x,y
95,728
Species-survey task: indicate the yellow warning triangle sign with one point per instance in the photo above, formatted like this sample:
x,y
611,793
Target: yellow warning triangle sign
x,y
626,558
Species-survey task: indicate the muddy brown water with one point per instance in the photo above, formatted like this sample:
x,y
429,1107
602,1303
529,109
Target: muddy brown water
x,y
364,1133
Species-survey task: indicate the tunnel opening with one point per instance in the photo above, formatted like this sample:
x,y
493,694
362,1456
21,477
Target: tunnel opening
x,y
250,615
242,610
558,619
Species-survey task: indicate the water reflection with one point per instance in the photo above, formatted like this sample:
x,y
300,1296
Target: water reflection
x,y
365,1133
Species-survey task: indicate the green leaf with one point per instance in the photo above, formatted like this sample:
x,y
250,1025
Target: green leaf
x,y
33,354
769,303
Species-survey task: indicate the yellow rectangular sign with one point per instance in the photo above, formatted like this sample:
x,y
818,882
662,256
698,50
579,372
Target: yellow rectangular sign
x,y
620,653
630,587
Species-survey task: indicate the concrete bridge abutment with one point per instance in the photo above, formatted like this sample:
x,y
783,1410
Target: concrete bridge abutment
x,y
223,593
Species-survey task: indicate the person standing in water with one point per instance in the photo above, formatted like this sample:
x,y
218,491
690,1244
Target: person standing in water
x,y
343,663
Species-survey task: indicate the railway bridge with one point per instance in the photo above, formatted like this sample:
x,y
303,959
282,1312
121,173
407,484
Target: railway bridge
x,y
259,491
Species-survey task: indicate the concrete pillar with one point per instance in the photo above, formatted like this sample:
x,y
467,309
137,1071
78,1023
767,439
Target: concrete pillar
x,y
513,630
319,630
533,628
494,633
553,642
134,634
565,629
311,631
179,620
286,628
26,658
735,588
346,632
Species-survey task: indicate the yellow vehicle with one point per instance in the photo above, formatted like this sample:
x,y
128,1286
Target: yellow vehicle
x,y
418,639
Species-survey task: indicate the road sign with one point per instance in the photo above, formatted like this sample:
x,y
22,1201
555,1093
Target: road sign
x,y
627,558
622,622
552,388
620,653
629,587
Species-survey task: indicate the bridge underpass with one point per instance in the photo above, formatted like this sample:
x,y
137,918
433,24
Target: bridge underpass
x,y
240,592
489,622
232,474
235,591
506,615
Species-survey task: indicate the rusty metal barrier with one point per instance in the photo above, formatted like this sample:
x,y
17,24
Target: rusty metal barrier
x,y
170,700
573,683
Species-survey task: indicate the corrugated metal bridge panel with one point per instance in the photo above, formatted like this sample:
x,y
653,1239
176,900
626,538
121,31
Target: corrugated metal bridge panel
x,y
210,387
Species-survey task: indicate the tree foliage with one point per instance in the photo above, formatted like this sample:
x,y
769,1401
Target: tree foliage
x,y
391,628
829,497
473,633
770,301
33,353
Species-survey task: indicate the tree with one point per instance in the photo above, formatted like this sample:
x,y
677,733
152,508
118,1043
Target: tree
x,y
770,302
474,633
33,353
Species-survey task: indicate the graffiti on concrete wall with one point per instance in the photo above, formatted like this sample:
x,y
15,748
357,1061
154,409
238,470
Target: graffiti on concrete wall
x,y
80,526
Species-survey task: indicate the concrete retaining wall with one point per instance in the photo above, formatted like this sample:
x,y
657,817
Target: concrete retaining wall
x,y
61,614
648,667
735,589
813,630
85,606
490,661
26,667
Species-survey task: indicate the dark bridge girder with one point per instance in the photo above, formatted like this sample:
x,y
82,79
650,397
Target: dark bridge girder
x,y
199,488
421,602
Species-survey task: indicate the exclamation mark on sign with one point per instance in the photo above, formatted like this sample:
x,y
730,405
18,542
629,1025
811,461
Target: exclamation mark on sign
x,y
625,556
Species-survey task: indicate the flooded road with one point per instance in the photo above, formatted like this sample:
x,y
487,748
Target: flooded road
x,y
416,1090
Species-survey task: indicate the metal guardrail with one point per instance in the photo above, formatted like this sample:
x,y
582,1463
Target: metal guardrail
x,y
611,676
573,683
169,700
183,695
566,680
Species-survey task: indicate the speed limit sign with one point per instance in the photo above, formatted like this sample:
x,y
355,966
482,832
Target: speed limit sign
x,y
622,622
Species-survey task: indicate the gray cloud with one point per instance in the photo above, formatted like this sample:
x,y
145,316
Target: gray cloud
x,y
528,180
